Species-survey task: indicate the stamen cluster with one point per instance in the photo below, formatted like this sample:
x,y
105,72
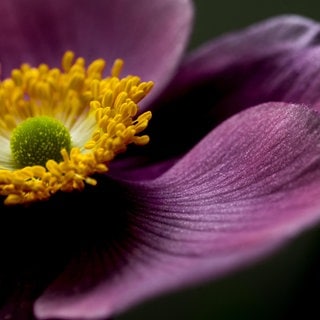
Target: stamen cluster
x,y
100,113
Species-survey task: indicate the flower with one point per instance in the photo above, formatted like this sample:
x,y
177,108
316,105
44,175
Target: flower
x,y
60,128
231,172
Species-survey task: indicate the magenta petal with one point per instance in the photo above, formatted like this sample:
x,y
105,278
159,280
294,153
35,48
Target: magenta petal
x,y
249,186
275,60
275,36
38,31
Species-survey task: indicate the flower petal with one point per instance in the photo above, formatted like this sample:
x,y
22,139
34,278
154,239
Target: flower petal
x,y
247,188
258,42
37,241
275,60
35,31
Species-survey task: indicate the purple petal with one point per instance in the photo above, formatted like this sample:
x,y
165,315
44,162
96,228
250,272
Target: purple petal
x,y
38,31
276,60
247,188
264,40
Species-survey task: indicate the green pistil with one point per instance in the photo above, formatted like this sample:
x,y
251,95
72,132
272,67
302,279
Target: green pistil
x,y
37,140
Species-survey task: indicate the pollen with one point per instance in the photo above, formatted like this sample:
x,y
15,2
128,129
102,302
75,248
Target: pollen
x,y
59,127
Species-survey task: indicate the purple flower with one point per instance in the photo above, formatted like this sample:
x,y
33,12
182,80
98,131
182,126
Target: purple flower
x,y
231,172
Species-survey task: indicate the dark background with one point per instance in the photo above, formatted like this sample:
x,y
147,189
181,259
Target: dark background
x,y
214,18
283,286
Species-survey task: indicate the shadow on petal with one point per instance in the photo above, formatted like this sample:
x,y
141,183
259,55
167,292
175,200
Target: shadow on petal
x,y
36,242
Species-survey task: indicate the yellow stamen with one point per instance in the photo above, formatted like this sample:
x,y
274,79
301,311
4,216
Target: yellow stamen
x,y
101,114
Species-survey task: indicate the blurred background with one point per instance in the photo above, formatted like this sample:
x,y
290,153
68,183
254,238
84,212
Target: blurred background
x,y
283,286
214,18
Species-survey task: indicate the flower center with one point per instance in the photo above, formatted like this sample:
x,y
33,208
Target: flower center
x,y
37,140
61,127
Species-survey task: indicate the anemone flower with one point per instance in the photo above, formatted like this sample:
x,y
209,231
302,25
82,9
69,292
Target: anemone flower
x,y
94,223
